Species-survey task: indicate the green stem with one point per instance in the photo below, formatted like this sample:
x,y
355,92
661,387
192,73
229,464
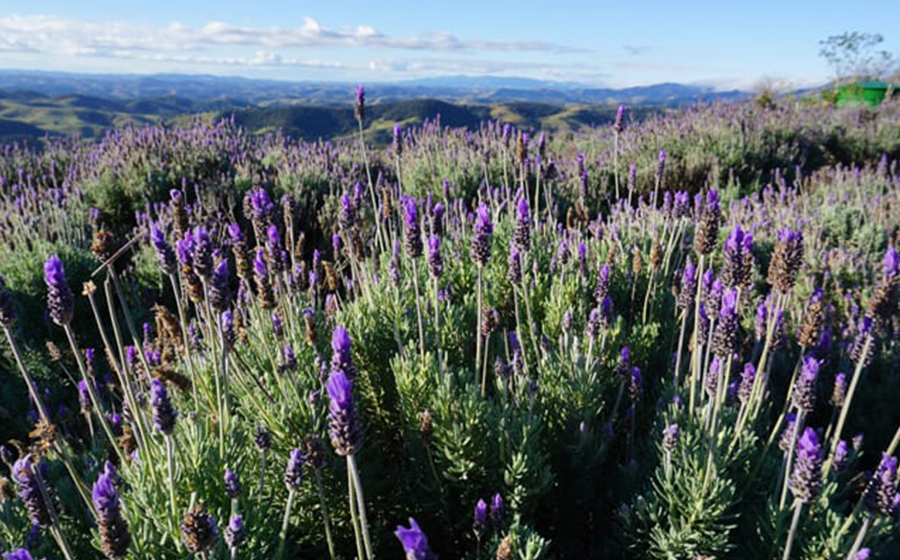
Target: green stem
x,y
857,373
325,518
860,537
360,500
170,462
95,401
419,309
798,507
282,536
478,327
354,520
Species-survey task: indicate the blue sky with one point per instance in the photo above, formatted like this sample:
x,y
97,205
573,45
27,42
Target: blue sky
x,y
726,44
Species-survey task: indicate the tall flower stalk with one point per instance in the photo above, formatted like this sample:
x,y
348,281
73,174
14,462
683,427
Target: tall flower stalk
x,y
346,436
61,305
481,254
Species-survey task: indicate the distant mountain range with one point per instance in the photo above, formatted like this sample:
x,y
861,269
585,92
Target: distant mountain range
x,y
34,104
459,89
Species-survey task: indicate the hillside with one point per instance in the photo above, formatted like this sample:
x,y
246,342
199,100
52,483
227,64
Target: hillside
x,y
26,115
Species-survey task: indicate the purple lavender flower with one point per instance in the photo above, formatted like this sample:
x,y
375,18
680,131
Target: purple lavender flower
x,y
219,287
263,439
114,535
624,361
670,437
481,240
841,454
866,326
413,230
164,413
619,125
185,250
748,377
725,341
708,227
262,207
398,139
25,475
84,397
293,473
806,479
360,107
235,533
497,510
635,384
479,523
515,264
738,258
232,484
342,356
688,289
60,300
22,554
606,312
786,260
199,530
414,541
839,391
593,324
343,425
164,253
228,333
881,491
347,215
711,383
804,395
682,204
891,263
289,362
601,290
863,554
202,255
435,262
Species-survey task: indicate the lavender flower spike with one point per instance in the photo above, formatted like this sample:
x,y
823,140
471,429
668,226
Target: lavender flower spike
x,y
497,509
415,543
360,107
435,262
804,395
522,233
164,413
22,554
619,125
114,535
806,479
413,231
293,473
164,253
479,523
24,474
199,530
342,357
235,533
891,263
60,300
343,425
481,241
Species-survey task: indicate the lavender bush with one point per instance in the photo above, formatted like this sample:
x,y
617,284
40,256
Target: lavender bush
x,y
464,321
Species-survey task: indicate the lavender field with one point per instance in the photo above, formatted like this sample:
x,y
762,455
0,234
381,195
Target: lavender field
x,y
669,339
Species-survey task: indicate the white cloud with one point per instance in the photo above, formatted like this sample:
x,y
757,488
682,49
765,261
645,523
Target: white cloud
x,y
56,34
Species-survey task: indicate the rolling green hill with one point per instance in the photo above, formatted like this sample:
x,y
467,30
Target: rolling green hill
x,y
31,116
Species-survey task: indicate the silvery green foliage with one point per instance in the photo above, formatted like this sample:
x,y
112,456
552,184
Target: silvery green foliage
x,y
573,451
